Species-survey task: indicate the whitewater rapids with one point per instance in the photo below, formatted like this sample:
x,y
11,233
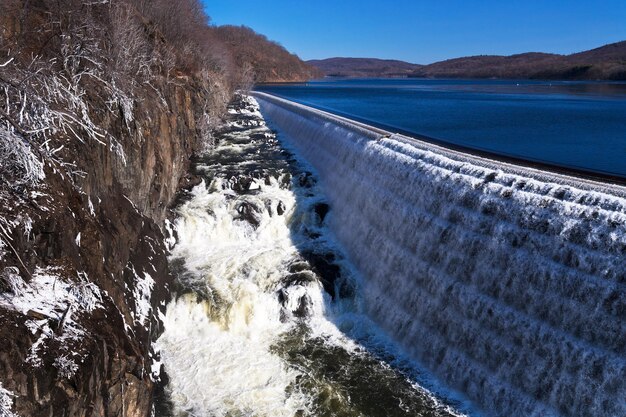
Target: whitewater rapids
x,y
268,319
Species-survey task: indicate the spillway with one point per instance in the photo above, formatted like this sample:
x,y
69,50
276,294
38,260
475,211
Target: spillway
x,y
508,283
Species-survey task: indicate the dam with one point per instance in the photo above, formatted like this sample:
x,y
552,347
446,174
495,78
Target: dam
x,y
508,283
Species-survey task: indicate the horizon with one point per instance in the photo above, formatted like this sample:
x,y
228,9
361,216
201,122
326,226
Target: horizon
x,y
464,56
425,32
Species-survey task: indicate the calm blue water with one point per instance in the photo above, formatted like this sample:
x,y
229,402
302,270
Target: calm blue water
x,y
573,124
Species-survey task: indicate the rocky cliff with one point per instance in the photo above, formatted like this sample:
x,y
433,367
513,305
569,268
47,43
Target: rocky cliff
x,y
98,237
96,133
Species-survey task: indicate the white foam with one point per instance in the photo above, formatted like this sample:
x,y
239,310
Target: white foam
x,y
218,355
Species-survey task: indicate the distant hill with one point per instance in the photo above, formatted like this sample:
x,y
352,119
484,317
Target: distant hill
x,y
364,67
605,63
488,66
267,60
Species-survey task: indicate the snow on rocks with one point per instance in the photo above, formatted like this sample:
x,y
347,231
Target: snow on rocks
x,y
66,367
170,239
49,294
156,365
18,159
6,402
6,227
248,110
54,306
142,295
91,208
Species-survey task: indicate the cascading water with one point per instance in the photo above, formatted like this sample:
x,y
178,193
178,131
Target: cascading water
x,y
508,283
268,320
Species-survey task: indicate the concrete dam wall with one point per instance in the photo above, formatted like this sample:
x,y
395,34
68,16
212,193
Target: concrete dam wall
x,y
507,282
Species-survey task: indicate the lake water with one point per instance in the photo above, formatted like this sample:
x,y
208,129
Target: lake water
x,y
580,125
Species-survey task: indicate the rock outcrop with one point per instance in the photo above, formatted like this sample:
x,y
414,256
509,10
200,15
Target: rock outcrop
x,y
103,229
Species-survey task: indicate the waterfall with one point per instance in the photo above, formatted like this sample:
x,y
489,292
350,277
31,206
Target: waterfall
x,y
507,282
267,320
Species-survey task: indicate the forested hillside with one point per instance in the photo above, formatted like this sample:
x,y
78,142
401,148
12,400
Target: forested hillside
x,y
267,60
607,62
363,67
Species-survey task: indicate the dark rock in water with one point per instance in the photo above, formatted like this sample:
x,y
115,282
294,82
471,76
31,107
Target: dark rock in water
x,y
285,181
490,177
241,184
282,296
249,212
283,317
299,266
306,180
312,235
321,209
323,265
258,136
299,278
163,405
346,289
303,307
280,208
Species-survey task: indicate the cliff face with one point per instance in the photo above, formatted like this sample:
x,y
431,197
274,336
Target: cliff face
x,y
88,171
102,230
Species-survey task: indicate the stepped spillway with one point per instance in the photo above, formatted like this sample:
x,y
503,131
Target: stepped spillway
x,y
507,282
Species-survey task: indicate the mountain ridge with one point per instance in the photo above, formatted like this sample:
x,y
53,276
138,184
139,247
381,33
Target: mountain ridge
x,y
607,62
337,66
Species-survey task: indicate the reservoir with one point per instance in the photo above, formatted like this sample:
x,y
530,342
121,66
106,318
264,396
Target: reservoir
x,y
579,125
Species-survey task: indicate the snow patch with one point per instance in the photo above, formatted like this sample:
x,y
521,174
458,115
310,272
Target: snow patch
x,y
18,160
131,203
90,205
53,300
142,295
157,364
170,240
28,227
66,367
6,402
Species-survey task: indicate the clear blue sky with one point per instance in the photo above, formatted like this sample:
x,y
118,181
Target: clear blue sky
x,y
427,31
